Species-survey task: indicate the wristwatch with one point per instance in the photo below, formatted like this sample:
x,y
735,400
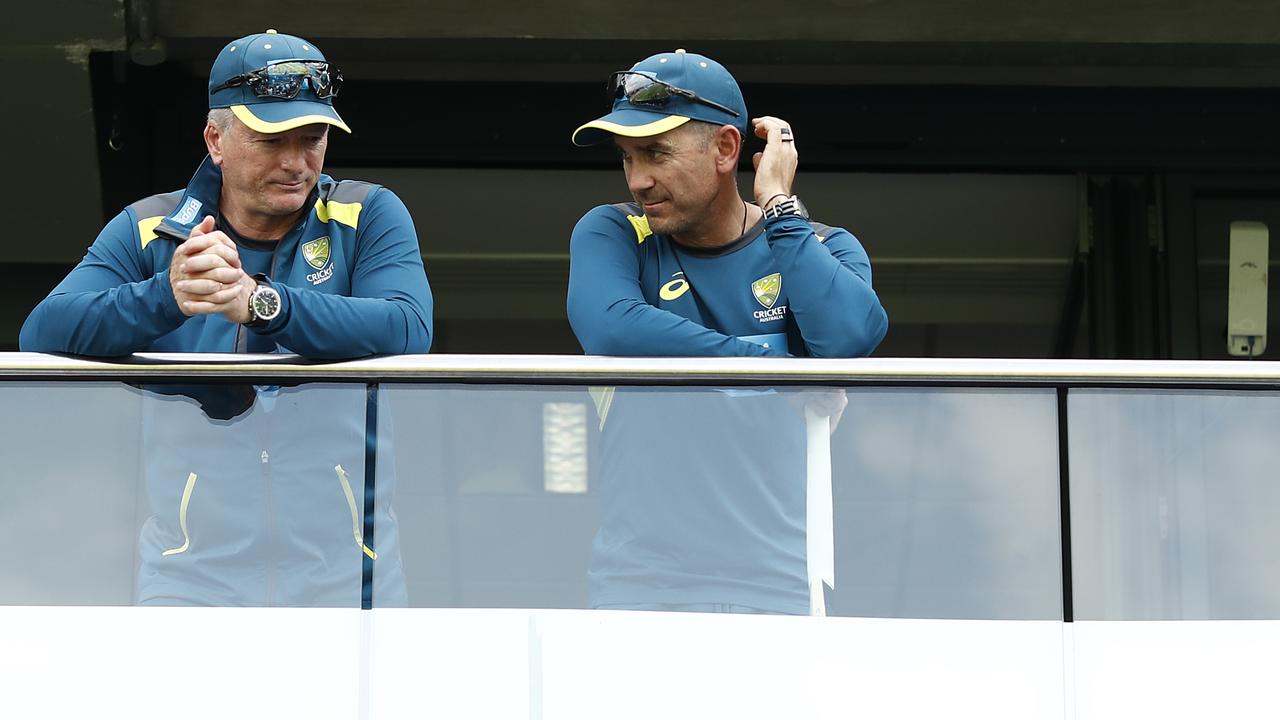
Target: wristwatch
x,y
787,206
264,303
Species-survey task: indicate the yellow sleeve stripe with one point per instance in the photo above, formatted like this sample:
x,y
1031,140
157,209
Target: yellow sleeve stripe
x,y
641,224
147,229
346,213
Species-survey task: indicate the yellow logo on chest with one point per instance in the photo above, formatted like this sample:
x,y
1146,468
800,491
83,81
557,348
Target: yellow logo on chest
x,y
767,289
675,288
316,252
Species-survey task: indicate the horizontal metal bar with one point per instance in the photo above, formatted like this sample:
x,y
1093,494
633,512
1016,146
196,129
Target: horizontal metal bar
x,y
542,369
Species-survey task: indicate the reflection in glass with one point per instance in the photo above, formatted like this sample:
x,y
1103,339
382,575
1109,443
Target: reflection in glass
x,y
564,447
208,494
946,501
493,510
256,496
702,499
1174,503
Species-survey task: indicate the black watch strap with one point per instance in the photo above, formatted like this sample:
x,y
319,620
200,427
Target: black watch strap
x,y
787,206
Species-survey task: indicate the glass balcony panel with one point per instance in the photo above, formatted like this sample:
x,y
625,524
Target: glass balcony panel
x,y
945,501
1173,504
947,505
494,500
70,483
191,494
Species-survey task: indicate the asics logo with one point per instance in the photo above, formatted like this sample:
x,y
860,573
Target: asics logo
x,y
675,288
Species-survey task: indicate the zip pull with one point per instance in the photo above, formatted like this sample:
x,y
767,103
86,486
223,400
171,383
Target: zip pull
x,y
182,517
355,516
266,458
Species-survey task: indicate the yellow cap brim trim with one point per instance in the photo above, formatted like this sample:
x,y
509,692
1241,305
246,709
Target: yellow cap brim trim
x,y
256,123
657,127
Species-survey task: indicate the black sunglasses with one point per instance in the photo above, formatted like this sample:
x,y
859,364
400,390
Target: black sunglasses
x,y
646,91
283,80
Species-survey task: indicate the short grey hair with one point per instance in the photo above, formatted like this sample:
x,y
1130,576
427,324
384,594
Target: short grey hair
x,y
222,118
704,130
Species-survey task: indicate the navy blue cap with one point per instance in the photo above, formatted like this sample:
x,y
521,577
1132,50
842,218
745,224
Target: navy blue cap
x,y
269,115
690,71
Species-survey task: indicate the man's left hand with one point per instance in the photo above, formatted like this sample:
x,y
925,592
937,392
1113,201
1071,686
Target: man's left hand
x,y
776,165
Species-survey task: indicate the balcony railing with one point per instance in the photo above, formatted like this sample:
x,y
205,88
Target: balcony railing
x,y
960,490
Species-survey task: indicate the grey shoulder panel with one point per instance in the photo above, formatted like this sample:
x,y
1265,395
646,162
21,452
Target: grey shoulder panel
x,y
627,208
156,205
820,228
347,191
822,231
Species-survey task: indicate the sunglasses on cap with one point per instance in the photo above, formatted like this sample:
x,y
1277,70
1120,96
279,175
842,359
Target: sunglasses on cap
x,y
283,80
646,91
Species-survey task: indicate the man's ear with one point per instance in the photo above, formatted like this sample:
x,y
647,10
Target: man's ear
x,y
728,145
213,139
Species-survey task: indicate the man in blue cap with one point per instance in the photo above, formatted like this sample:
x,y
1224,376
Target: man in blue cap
x,y
697,511
261,252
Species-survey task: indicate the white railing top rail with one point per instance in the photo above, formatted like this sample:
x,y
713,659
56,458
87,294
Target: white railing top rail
x,y
702,371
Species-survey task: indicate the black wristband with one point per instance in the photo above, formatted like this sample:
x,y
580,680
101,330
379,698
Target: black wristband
x,y
765,204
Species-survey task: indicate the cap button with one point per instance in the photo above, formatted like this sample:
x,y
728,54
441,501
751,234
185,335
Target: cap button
x,y
271,31
679,51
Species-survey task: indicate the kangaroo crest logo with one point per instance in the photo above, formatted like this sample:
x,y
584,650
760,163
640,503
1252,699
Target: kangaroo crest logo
x,y
316,252
767,289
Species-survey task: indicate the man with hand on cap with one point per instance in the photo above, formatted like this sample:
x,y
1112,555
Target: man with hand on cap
x,y
697,512
260,253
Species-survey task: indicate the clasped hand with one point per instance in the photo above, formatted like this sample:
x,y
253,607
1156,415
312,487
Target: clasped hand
x,y
207,277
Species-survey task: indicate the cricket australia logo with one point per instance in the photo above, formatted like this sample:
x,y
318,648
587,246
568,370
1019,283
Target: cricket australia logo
x,y
767,290
316,253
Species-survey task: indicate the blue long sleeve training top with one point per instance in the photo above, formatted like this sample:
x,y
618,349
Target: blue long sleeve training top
x,y
634,292
702,491
253,491
350,277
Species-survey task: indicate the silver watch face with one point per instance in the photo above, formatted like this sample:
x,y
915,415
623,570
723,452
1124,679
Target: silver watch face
x,y
800,210
264,303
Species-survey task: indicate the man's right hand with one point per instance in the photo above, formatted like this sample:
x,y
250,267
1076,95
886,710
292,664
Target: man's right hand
x,y
776,165
205,272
